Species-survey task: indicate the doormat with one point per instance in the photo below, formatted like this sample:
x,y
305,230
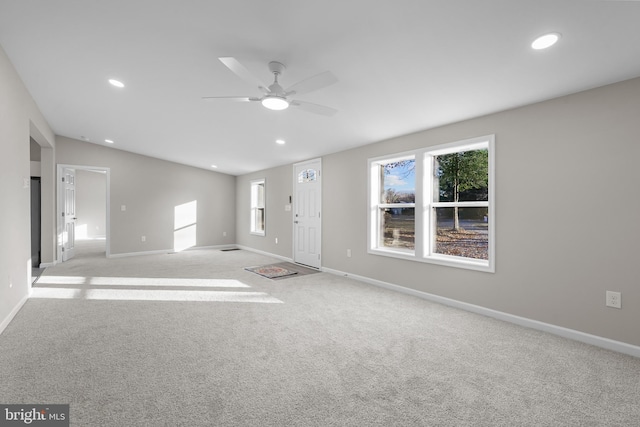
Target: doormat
x,y
271,271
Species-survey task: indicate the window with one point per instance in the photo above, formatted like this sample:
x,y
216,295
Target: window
x,y
396,199
435,204
307,175
258,207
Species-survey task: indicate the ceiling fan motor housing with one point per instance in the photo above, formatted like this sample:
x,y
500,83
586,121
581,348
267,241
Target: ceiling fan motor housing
x,y
276,67
275,89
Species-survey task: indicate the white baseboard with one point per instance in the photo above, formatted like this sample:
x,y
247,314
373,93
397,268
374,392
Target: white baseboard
x,y
166,251
218,247
246,248
595,340
141,253
12,314
47,264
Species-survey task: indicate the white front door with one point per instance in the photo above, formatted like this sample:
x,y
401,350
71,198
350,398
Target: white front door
x,y
69,213
307,204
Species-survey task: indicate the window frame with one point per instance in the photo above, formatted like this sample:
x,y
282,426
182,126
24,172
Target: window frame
x,y
254,205
425,225
376,191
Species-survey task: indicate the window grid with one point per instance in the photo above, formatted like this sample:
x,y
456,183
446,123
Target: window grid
x,y
478,214
258,207
395,204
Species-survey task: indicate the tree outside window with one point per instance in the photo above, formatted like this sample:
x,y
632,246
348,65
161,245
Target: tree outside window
x,y
462,177
435,204
397,204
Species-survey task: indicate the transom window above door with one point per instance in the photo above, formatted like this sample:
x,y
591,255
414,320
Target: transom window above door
x,y
307,175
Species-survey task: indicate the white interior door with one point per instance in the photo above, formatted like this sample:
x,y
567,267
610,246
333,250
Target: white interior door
x,y
307,204
69,213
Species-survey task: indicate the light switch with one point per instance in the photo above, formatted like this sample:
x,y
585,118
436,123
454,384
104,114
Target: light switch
x,y
123,208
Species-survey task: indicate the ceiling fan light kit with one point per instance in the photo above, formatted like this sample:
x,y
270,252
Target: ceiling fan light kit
x,y
273,102
275,96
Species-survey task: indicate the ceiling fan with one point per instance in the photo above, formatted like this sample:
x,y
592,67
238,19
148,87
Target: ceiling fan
x,y
275,97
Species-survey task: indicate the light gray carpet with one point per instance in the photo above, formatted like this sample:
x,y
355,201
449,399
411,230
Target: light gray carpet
x,y
318,350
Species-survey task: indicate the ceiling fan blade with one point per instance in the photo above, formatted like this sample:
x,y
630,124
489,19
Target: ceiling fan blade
x,y
231,98
234,65
314,108
312,83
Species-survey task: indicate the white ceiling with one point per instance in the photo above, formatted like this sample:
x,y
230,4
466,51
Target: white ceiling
x,y
402,65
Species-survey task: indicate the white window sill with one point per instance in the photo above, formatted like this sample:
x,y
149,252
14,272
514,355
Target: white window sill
x,y
446,260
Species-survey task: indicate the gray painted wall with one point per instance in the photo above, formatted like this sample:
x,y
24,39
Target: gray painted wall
x,y
34,150
151,189
278,188
20,120
91,204
566,210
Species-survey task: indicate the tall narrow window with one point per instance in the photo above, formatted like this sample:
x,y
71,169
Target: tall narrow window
x,y
435,204
460,206
258,216
396,197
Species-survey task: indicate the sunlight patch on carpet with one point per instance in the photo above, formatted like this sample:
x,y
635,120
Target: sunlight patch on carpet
x,y
153,295
140,281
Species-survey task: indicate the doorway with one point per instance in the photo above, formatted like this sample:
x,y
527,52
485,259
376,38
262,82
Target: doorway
x,y
83,211
307,209
35,208
36,218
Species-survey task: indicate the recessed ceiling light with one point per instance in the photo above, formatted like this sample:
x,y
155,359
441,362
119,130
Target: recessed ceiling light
x,y
116,83
108,141
214,166
545,41
280,141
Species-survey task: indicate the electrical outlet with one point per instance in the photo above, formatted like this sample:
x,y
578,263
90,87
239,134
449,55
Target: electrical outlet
x,y
614,299
224,234
348,253
143,238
